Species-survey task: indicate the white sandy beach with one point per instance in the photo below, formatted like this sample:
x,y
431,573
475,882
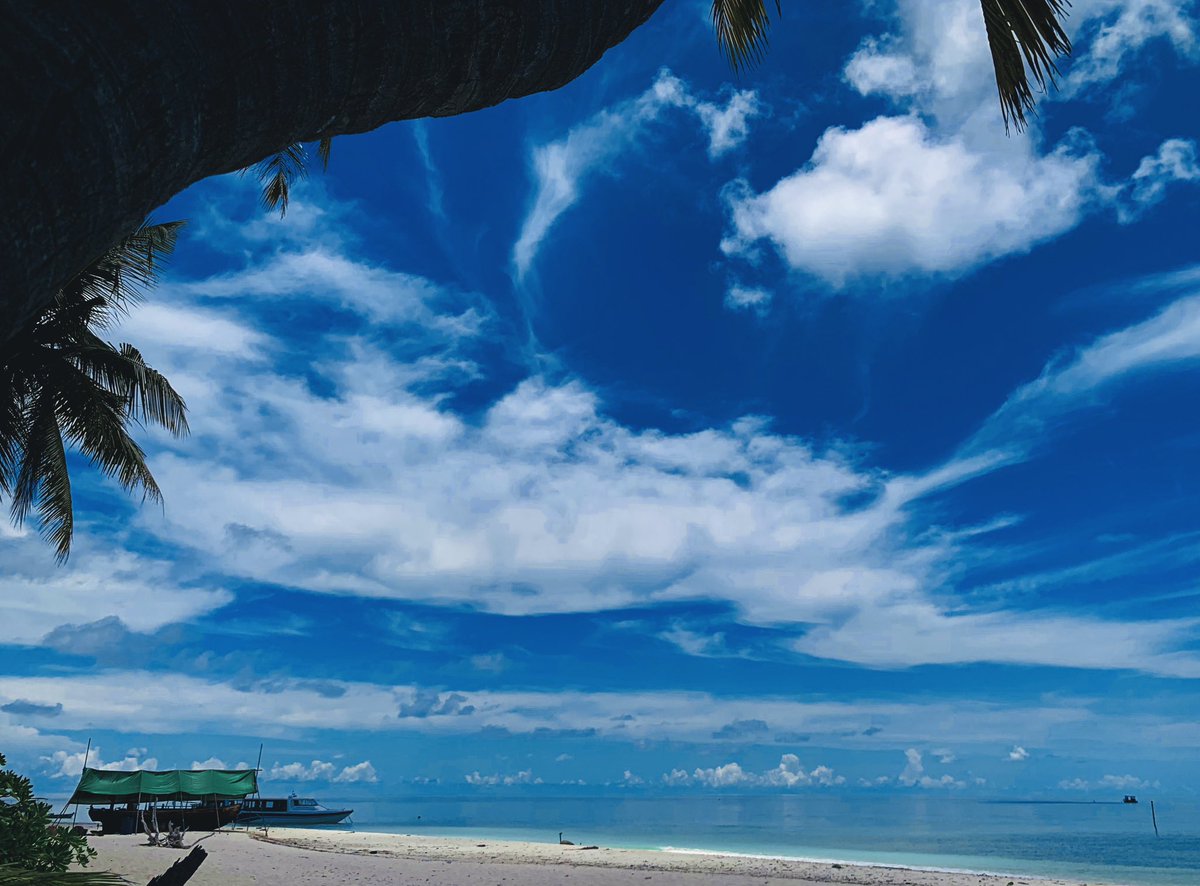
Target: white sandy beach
x,y
296,857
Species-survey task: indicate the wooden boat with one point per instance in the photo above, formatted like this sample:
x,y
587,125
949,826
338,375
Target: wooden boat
x,y
198,800
192,816
301,812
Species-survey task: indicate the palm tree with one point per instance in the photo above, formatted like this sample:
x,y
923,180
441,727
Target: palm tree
x,y
116,109
62,380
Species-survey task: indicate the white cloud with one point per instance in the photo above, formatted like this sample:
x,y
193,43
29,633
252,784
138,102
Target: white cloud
x,y
1174,162
893,198
1018,754
940,190
788,774
187,327
914,768
525,776
561,167
98,587
1108,783
218,763
69,764
913,775
112,699
1115,30
1169,339
748,298
320,770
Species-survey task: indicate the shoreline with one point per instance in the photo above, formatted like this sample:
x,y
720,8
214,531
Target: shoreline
x,y
298,857
369,857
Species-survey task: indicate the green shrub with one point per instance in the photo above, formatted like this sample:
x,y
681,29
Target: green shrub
x,y
27,839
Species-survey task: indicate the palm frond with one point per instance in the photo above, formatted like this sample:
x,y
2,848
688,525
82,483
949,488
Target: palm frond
x,y
1025,37
149,396
118,278
95,420
324,146
741,27
43,478
278,172
14,876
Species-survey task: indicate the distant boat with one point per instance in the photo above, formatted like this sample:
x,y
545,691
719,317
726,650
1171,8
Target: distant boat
x,y
1129,798
296,811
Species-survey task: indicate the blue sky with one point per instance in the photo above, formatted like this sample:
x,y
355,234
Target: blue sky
x,y
675,432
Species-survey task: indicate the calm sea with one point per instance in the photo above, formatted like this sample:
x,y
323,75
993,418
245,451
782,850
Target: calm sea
x,y
1094,842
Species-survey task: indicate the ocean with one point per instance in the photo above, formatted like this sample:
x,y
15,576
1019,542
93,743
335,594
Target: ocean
x,y
1093,842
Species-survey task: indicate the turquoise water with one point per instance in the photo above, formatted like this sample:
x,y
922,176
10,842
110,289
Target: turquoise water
x,y
1094,842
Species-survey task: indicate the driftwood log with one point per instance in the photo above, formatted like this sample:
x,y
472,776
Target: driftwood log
x,y
182,870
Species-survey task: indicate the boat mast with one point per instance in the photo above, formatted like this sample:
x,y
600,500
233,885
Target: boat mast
x,y
87,753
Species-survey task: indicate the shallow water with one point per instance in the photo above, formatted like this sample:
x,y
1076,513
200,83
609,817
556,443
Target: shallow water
x,y
1094,842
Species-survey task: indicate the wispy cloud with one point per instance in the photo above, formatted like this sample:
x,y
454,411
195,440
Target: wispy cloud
x,y
562,167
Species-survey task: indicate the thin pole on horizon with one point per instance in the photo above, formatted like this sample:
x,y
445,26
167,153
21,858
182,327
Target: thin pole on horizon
x,y
87,753
1154,818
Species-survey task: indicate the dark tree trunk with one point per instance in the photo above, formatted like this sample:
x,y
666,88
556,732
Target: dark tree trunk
x,y
111,108
180,872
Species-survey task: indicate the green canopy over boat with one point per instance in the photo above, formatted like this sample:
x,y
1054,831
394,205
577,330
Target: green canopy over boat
x,y
104,786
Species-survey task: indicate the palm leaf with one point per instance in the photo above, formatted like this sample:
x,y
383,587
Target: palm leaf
x,y
14,876
741,27
43,477
145,392
95,420
1025,36
324,146
278,172
119,277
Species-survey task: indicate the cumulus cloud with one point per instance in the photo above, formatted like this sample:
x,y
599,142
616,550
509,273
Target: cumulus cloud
x,y
939,190
1108,783
1017,754
320,770
893,198
69,764
913,775
218,763
562,167
525,776
790,773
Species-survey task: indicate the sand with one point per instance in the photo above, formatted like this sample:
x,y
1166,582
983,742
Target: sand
x,y
296,857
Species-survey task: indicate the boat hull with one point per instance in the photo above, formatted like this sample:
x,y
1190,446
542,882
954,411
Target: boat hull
x,y
294,819
194,818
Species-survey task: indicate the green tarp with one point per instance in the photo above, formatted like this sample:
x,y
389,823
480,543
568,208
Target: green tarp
x,y
103,786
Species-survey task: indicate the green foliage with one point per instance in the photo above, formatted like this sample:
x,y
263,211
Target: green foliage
x,y
741,27
282,169
28,843
1025,37
14,876
1024,34
62,380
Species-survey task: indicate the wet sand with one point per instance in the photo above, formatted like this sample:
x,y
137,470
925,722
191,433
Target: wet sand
x,y
297,857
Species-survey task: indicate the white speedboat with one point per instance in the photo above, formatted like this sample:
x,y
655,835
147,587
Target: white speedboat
x,y
301,812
